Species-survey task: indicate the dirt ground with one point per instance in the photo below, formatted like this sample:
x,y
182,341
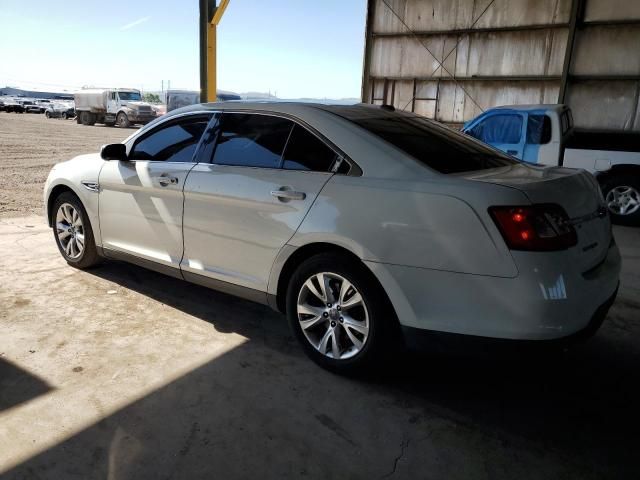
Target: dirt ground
x,y
122,373
30,144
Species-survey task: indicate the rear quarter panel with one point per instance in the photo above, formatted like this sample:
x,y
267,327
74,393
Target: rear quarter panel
x,y
441,224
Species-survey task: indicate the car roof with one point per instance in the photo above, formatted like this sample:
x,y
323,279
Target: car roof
x,y
540,106
291,108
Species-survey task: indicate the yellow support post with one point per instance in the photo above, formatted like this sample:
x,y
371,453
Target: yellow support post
x,y
212,86
211,63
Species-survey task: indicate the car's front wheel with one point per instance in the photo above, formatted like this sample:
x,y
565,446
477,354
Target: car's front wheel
x,y
73,233
340,314
122,120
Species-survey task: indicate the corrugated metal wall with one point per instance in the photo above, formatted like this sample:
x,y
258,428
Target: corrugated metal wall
x,y
450,59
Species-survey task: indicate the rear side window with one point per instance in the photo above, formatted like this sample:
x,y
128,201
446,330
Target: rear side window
x,y
305,151
566,121
434,145
251,140
538,129
496,129
175,142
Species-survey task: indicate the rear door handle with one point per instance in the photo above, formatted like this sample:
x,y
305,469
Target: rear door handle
x,y
288,195
165,180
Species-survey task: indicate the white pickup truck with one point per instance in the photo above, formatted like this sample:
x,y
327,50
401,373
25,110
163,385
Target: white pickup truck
x,y
121,106
544,135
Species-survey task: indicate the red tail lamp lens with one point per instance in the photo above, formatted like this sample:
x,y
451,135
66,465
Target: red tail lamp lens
x,y
535,227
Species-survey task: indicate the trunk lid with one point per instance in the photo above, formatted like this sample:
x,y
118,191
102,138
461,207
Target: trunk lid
x,y
576,191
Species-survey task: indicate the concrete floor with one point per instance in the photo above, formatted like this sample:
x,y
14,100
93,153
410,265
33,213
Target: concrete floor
x,y
123,373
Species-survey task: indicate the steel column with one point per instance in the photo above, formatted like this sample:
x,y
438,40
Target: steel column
x,y
577,14
367,85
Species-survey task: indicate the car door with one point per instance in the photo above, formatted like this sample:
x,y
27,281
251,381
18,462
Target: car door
x,y
112,103
504,131
141,200
244,206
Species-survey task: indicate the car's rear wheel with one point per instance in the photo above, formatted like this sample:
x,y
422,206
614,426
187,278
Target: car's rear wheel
x,y
73,233
622,196
340,314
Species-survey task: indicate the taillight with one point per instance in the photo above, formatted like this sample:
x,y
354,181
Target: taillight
x,y
542,227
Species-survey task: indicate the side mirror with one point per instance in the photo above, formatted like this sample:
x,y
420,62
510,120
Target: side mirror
x,y
114,151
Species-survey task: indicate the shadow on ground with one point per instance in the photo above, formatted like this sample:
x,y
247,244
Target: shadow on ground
x,y
18,386
263,410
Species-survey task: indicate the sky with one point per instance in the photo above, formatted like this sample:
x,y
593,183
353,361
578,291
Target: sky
x,y
293,48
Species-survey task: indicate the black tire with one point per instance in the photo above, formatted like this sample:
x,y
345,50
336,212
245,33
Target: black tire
x,y
47,114
89,255
122,120
64,115
84,118
383,340
92,119
619,181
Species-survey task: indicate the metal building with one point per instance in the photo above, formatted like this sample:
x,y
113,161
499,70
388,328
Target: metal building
x,y
451,59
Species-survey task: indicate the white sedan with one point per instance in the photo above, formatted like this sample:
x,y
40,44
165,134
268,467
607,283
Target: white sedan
x,y
366,226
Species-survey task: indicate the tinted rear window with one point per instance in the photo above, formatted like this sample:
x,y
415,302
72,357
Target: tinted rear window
x,y
306,152
538,129
434,145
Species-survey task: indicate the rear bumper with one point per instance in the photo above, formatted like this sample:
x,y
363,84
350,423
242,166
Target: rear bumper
x,y
548,299
427,340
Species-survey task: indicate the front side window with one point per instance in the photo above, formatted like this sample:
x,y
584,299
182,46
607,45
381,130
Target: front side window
x,y
305,151
497,129
175,142
251,140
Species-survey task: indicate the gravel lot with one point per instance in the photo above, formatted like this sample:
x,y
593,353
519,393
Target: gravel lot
x,y
30,144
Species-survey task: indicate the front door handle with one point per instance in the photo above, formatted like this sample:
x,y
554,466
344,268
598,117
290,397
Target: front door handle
x,y
285,194
512,152
165,180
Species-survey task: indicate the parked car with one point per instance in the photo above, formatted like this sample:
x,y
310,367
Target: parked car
x,y
60,110
363,224
30,106
544,134
13,106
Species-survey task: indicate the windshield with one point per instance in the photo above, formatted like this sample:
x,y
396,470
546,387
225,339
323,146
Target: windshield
x,y
432,144
133,96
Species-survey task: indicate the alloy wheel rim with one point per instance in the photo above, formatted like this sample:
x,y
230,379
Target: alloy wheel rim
x,y
70,230
623,200
333,316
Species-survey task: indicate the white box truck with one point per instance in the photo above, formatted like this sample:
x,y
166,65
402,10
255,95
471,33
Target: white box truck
x,y
111,106
182,98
